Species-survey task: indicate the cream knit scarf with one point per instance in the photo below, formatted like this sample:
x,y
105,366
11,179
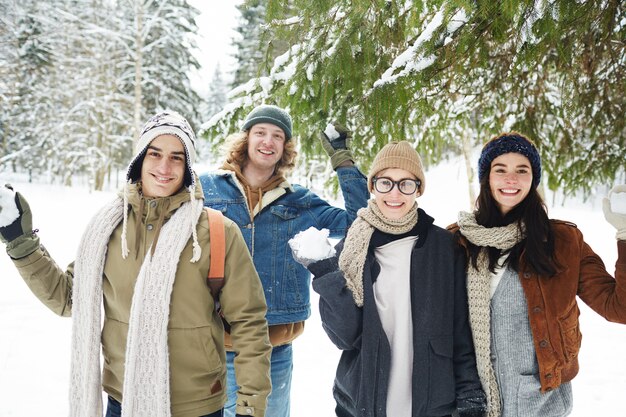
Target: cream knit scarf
x,y
479,299
146,389
352,258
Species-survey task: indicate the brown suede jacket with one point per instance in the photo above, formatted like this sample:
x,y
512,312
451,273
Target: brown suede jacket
x,y
552,308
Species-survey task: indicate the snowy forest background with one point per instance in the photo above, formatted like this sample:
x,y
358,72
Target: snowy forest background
x,y
79,77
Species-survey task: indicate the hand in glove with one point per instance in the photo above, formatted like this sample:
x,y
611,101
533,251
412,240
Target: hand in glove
x,y
310,246
474,404
614,207
16,224
336,142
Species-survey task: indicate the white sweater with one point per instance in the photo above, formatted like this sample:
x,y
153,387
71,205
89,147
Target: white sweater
x,y
392,292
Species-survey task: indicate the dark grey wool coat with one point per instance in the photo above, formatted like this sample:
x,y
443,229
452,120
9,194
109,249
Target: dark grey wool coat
x,y
444,365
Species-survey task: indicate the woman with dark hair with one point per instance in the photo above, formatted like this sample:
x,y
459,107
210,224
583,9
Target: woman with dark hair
x,y
524,273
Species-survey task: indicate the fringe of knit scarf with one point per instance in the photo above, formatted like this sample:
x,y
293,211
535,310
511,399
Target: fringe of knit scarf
x,y
146,389
352,258
479,299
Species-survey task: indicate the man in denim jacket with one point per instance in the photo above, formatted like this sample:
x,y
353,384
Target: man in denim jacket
x,y
250,188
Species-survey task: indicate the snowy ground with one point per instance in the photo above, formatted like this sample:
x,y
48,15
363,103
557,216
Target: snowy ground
x,y
34,343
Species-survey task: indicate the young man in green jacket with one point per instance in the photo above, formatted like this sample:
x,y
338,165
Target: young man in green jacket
x,y
144,260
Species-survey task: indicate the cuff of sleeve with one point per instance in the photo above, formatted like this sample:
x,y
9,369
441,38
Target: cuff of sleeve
x,y
246,407
339,157
621,251
323,267
23,246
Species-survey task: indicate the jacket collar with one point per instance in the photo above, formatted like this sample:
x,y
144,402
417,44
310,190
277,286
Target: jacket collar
x,y
268,198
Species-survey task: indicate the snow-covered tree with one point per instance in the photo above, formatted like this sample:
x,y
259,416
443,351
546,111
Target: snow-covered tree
x,y
249,54
448,75
217,93
161,56
25,62
83,75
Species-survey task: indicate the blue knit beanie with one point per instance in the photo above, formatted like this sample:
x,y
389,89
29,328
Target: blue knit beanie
x,y
506,143
266,113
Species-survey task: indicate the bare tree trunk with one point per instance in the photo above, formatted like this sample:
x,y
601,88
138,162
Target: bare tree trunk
x,y
467,155
138,69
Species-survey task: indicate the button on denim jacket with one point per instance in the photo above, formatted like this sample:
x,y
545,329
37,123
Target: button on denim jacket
x,y
286,210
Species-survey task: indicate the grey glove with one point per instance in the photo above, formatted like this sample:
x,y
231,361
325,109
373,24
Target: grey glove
x,y
614,214
336,142
19,237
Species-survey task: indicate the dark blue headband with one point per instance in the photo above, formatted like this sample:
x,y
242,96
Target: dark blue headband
x,y
506,144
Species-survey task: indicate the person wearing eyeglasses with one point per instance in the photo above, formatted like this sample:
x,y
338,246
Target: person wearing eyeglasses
x,y
393,299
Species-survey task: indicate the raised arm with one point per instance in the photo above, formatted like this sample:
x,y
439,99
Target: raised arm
x,y
335,140
51,284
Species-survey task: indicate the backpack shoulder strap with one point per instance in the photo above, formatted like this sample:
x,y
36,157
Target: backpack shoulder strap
x,y
217,245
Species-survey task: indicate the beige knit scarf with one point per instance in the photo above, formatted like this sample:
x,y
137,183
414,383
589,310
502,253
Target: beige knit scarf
x,y
479,299
146,389
352,258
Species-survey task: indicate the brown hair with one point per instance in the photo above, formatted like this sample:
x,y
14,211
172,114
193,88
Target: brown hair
x,y
538,246
236,152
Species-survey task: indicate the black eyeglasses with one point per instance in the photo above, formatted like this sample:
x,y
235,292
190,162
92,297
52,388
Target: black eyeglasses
x,y
406,186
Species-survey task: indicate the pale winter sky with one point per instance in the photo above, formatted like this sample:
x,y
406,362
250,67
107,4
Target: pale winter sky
x,y
216,25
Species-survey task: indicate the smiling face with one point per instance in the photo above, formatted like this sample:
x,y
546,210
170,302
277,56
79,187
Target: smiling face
x,y
163,168
266,143
394,205
510,179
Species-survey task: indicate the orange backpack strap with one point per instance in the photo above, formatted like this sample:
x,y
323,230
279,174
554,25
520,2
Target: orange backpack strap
x,y
217,246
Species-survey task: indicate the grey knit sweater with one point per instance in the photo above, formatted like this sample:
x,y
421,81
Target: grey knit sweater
x,y
514,360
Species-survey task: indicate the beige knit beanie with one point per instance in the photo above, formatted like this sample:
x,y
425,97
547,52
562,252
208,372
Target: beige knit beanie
x,y
398,155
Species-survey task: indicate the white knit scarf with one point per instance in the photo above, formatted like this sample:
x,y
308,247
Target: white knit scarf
x,y
479,299
146,389
352,258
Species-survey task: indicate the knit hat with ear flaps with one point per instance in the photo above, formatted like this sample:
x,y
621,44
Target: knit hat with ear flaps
x,y
167,122
398,155
266,113
507,143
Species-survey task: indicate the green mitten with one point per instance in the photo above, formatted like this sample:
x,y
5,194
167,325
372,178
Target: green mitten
x,y
336,142
16,224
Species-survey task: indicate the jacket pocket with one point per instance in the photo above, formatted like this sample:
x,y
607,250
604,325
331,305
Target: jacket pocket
x,y
196,363
218,206
571,336
441,372
532,402
284,212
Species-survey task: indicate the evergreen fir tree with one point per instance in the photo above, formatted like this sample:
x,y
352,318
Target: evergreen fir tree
x,y
25,62
73,69
449,75
249,54
217,93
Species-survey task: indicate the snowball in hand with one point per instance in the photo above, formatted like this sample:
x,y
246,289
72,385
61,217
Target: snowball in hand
x,y
312,244
331,133
8,208
618,203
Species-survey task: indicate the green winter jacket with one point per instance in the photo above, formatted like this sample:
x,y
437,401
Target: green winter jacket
x,y
196,341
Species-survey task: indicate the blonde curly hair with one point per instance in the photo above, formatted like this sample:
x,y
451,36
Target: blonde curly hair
x,y
236,153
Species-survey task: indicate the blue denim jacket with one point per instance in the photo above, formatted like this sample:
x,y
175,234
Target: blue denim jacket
x,y
286,210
